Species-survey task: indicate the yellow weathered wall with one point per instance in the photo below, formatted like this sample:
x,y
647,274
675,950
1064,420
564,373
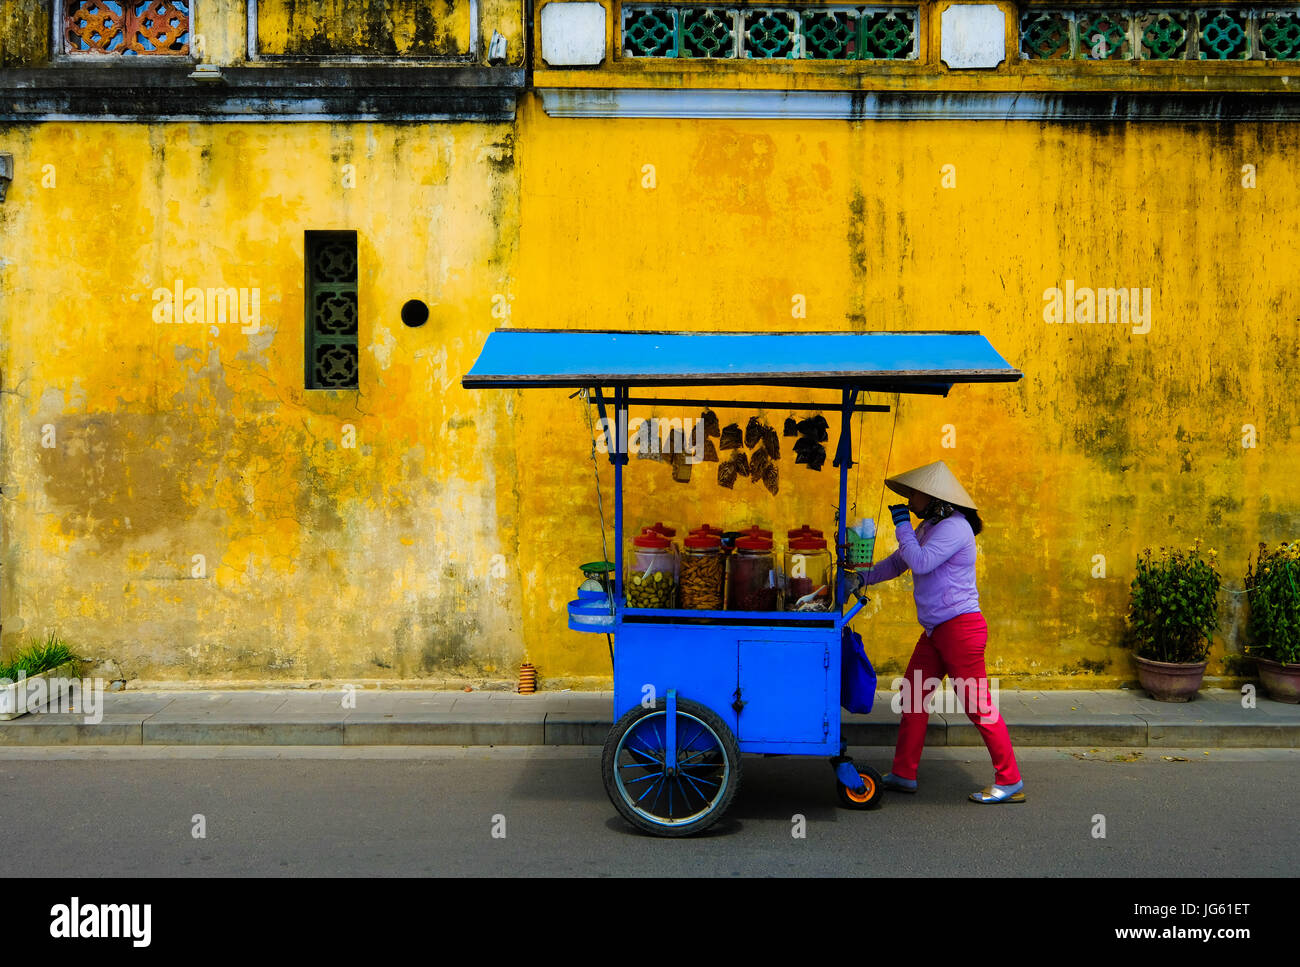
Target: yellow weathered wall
x,y
420,28
446,542
24,33
175,440
1113,441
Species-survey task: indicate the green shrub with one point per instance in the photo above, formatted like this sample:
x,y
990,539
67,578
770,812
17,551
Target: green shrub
x,y
1174,605
1273,630
37,657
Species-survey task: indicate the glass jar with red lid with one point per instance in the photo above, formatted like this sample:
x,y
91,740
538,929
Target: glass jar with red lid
x,y
809,576
708,529
703,574
671,533
650,579
753,583
803,530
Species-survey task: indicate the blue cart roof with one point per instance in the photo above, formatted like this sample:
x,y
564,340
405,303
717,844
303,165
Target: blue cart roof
x,y
893,361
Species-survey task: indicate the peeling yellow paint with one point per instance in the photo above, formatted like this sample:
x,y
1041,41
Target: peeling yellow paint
x,y
199,514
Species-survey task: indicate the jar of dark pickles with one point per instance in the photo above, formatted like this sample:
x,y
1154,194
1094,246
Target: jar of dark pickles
x,y
752,579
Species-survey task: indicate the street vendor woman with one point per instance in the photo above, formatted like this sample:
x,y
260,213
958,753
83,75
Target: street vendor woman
x,y
940,553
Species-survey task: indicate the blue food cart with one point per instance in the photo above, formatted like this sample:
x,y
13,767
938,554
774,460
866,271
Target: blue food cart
x,y
696,689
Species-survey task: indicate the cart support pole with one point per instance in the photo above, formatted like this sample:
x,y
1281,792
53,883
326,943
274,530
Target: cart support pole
x,y
620,458
670,737
843,456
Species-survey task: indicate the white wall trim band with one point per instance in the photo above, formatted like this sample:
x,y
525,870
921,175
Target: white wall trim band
x,y
967,106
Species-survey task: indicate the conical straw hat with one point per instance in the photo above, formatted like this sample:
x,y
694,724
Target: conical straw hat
x,y
934,479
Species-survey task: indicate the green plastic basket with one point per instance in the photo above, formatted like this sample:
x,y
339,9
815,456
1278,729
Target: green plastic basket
x,y
858,551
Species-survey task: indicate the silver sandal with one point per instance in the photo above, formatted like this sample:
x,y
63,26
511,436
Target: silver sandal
x,y
996,794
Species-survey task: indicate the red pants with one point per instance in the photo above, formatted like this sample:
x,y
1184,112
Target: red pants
x,y
956,649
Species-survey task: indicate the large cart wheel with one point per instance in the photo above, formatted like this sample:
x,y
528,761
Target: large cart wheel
x,y
870,798
671,802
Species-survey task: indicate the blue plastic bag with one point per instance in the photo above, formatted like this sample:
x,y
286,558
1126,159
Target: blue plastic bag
x,y
857,677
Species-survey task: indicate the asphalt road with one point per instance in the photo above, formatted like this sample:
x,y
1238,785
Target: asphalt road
x,y
441,812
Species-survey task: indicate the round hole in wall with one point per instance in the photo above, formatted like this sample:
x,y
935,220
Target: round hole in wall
x,y
415,313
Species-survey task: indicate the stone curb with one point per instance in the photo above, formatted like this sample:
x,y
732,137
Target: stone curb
x,y
498,726
215,717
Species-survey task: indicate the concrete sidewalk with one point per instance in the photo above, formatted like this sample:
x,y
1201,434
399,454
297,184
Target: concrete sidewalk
x,y
1113,718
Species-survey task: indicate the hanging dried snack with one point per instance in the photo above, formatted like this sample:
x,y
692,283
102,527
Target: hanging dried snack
x,y
676,443
730,438
710,423
741,463
645,439
813,456
791,427
727,474
710,452
754,432
773,444
772,479
815,427
758,462
681,468
805,445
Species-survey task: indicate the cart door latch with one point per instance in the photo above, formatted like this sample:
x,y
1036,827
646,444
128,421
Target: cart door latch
x,y
738,705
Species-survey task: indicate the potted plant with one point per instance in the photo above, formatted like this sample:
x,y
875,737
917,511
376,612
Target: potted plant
x,y
52,661
1173,612
1273,629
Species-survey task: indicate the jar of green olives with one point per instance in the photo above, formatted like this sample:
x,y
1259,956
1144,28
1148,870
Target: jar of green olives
x,y
650,579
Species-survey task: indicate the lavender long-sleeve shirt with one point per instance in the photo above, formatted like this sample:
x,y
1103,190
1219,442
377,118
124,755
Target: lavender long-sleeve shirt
x,y
941,557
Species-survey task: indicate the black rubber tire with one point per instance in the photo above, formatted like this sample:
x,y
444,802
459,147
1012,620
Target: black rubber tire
x,y
727,792
876,798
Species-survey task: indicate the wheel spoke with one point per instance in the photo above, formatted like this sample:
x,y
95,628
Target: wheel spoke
x,y
686,745
690,780
647,751
707,782
659,791
648,775
650,789
696,755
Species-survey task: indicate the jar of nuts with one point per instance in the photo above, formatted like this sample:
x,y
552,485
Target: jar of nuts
x,y
703,574
650,580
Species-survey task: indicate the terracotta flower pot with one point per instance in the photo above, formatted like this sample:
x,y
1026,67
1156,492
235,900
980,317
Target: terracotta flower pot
x,y
1281,682
1170,681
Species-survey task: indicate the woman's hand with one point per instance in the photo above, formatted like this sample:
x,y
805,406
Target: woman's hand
x,y
900,513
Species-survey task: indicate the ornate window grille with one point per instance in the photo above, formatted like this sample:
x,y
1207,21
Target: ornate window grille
x,y
769,33
125,27
1160,33
331,298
